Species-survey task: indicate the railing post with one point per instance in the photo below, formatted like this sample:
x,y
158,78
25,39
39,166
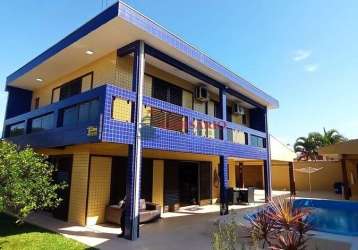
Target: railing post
x,y
131,231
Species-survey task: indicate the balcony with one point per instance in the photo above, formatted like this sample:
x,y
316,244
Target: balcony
x,y
74,120
103,114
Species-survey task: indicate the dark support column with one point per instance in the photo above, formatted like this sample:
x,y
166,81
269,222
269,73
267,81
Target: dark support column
x,y
267,164
223,167
292,178
345,180
131,231
224,176
241,175
222,110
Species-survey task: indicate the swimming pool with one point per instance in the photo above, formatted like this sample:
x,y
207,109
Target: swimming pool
x,y
337,217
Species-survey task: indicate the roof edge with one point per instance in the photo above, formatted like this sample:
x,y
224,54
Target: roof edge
x,y
136,18
148,25
97,21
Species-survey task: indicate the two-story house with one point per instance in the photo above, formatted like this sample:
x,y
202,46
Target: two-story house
x,y
123,107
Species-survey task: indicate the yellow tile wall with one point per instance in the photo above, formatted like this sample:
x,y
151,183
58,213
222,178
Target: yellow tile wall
x,y
232,174
187,99
199,106
239,137
99,189
78,192
103,72
121,110
158,182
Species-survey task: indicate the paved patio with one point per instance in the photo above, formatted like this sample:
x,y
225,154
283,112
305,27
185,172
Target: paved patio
x,y
185,229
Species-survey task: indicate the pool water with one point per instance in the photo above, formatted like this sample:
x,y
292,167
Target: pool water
x,y
338,217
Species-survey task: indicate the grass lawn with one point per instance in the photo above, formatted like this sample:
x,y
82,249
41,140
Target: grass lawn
x,y
27,236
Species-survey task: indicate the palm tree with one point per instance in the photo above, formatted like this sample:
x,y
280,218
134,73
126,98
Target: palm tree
x,y
332,136
308,146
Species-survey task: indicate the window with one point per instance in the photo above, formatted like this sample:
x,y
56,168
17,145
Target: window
x,y
73,87
168,120
167,92
230,134
257,141
80,113
42,123
16,129
70,89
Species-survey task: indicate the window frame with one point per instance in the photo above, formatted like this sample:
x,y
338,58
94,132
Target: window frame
x,y
41,117
77,108
69,82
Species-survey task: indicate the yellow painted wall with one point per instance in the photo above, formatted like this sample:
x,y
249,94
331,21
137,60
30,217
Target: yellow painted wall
x,y
103,72
118,71
352,174
158,183
99,189
78,192
280,177
322,180
187,99
232,174
121,110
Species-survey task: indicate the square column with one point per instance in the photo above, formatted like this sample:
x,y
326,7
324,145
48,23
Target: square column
x,y
267,164
222,111
292,178
223,165
131,231
224,185
345,181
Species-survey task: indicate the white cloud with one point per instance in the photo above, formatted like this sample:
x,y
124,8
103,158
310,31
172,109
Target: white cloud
x,y
311,67
301,54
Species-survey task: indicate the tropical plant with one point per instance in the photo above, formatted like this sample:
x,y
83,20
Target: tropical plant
x,y
332,136
288,241
281,225
308,146
26,181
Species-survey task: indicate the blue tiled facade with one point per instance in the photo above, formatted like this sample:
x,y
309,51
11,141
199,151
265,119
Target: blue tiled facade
x,y
162,139
110,130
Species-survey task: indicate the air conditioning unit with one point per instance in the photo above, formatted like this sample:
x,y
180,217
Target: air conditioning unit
x,y
202,93
237,109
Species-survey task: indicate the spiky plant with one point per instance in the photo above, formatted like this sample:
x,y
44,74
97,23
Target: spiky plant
x,y
262,228
281,225
289,240
286,215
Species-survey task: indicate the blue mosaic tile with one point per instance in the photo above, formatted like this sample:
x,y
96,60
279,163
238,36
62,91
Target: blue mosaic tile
x,y
162,139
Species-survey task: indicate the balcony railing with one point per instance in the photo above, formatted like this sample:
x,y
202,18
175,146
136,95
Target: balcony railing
x,y
104,114
164,115
64,122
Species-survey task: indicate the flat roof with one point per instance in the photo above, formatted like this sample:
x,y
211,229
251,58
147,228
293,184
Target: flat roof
x,y
116,27
342,148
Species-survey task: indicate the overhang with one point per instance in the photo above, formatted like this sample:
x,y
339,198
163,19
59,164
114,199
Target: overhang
x,y
116,27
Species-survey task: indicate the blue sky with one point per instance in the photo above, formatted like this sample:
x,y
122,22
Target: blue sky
x,y
304,53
